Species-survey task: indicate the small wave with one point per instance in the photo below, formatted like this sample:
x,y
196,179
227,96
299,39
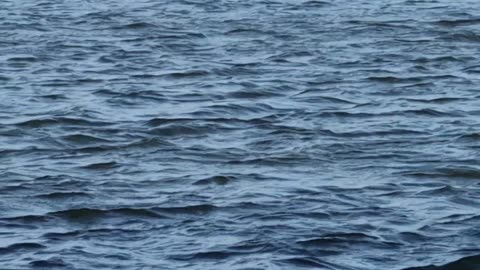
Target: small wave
x,y
346,239
13,188
429,112
217,121
418,112
380,24
440,100
253,246
144,143
311,262
21,247
95,214
443,190
448,172
410,80
138,25
440,59
274,161
88,233
234,110
135,26
49,263
201,209
101,166
173,75
88,214
412,237
466,263
392,79
248,31
344,114
62,236
315,4
470,137
469,37
155,122
390,132
88,81
460,172
251,94
212,255
148,143
332,100
30,59
187,74
131,97
207,255
475,69
218,180
83,139
456,219
54,97
456,23
29,219
46,122
63,195
175,130
80,214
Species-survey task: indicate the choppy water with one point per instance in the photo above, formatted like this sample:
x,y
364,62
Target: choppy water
x,y
239,134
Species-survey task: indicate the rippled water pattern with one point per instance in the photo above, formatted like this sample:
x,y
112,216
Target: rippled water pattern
x,y
227,134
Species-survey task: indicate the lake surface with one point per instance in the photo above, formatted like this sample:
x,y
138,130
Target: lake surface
x,y
227,134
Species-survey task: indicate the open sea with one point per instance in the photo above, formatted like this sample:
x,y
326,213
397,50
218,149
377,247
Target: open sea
x,y
240,135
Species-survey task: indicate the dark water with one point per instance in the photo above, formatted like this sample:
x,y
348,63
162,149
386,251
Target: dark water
x,y
239,134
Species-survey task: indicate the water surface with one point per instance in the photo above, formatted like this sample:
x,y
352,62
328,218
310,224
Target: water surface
x,y
239,134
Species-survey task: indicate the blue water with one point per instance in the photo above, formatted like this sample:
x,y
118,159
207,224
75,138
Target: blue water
x,y
239,134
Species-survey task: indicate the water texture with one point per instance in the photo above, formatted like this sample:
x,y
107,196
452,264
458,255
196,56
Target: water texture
x,y
229,134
